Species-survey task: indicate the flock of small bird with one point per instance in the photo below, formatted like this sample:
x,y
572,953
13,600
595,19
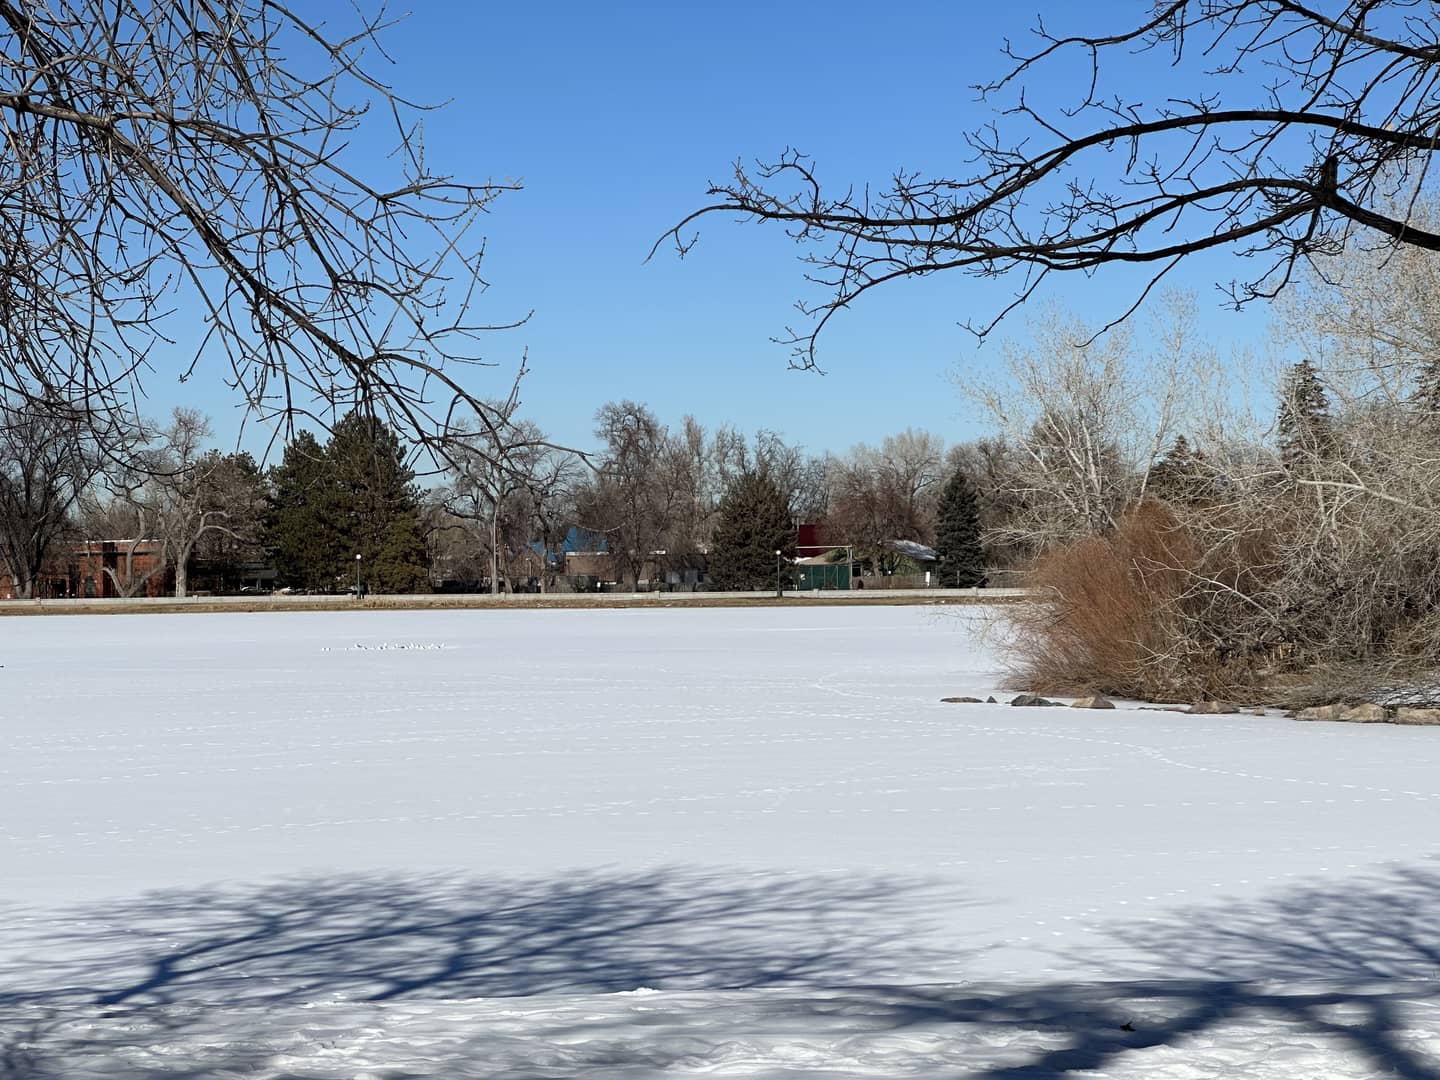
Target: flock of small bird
x,y
387,646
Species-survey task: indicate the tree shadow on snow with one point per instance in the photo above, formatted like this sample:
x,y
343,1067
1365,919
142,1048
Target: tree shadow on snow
x,y
1351,966
378,939
166,959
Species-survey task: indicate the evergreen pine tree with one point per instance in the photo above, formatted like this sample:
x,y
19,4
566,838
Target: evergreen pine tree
x,y
375,508
354,496
1180,476
1427,390
754,523
1306,431
957,535
297,526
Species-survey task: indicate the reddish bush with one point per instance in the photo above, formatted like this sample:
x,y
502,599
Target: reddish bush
x,y
1112,615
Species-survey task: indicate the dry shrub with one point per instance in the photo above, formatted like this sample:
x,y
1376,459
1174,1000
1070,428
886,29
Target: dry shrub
x,y
1256,600
1116,615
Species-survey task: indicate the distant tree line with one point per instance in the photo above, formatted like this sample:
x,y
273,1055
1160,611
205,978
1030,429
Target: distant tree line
x,y
497,513
161,492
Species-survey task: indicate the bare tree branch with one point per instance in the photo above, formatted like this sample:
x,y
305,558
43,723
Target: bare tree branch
x,y
196,156
1346,124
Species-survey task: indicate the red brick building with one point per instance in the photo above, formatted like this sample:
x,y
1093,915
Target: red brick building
x,y
91,569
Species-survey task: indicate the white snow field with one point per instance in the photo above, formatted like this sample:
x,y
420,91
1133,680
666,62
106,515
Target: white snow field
x,y
682,843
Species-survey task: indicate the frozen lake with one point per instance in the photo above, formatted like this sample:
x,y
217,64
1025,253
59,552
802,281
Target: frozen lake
x,y
682,842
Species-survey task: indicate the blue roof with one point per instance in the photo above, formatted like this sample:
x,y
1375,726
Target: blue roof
x,y
577,540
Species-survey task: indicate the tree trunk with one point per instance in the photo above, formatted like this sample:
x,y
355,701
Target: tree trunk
x,y
182,568
130,585
127,586
495,551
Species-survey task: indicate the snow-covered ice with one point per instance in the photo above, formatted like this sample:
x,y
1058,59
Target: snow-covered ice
x,y
723,842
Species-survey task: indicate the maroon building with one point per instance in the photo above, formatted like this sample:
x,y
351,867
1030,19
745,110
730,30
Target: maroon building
x,y
100,568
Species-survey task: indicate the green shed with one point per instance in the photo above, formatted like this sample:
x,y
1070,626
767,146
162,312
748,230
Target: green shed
x,y
822,575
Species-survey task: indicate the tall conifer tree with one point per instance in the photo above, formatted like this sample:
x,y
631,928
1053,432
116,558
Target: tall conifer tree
x,y
1307,434
957,535
1427,390
1182,475
356,496
376,510
754,523
298,528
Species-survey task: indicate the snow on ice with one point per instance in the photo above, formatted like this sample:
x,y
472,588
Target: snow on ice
x,y
682,843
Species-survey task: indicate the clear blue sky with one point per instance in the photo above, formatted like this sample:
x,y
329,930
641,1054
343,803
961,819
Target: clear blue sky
x,y
615,116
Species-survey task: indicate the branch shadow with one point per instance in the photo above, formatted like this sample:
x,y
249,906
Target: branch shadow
x,y
382,938
1356,964
1349,967
168,961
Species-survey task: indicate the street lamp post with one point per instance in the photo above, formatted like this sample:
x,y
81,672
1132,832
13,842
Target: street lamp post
x,y
777,572
358,557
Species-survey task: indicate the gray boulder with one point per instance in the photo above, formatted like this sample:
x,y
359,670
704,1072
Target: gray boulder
x,y
1417,716
1322,712
1368,713
1092,701
963,700
1030,701
1211,708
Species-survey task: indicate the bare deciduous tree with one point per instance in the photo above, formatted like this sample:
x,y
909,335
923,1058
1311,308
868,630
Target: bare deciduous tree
x,y
124,519
1369,317
1277,167
551,478
485,480
510,486
202,493
881,495
632,501
173,491
800,478
46,462
1085,419
688,467
199,155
